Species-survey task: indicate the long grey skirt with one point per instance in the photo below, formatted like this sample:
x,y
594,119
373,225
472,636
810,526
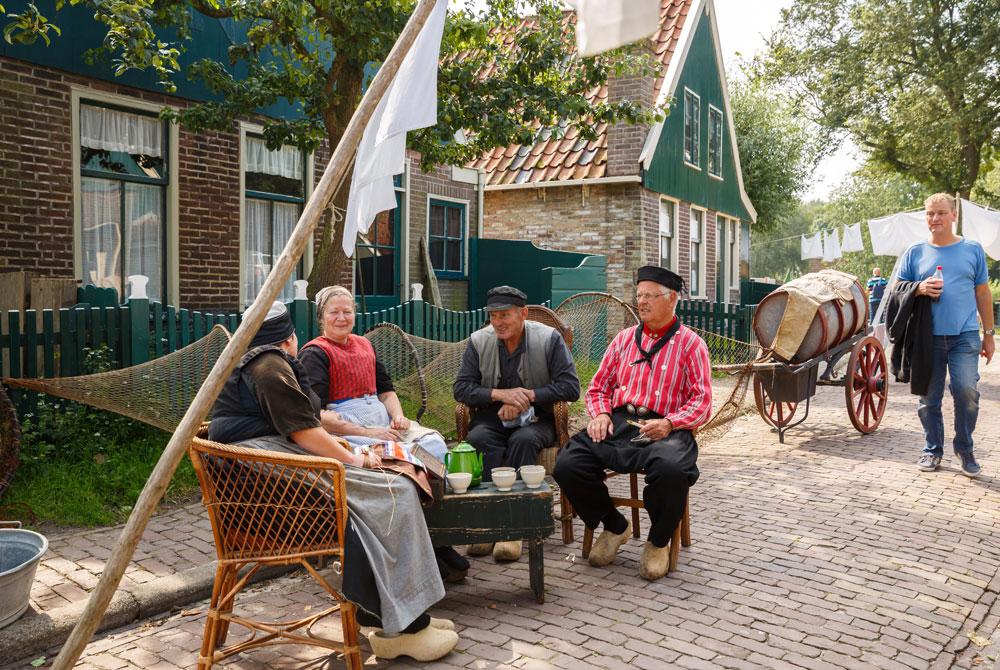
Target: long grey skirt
x,y
384,511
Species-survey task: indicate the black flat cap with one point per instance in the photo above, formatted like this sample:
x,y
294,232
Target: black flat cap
x,y
504,297
661,276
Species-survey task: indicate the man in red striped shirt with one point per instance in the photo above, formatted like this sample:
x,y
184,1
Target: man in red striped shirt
x,y
651,391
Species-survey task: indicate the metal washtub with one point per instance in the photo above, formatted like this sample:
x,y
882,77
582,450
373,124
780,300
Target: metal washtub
x,y
20,552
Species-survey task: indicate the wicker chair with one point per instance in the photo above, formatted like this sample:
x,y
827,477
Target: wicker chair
x,y
271,509
560,410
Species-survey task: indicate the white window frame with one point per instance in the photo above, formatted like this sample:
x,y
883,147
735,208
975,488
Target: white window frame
x,y
307,256
697,135
734,247
465,231
722,139
702,251
674,207
78,94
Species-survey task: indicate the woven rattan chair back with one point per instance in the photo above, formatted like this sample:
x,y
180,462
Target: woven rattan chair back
x,y
269,508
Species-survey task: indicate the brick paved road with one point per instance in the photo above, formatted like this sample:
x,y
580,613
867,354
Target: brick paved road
x,y
829,551
177,539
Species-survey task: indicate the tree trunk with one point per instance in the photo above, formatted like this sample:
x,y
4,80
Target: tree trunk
x,y
329,261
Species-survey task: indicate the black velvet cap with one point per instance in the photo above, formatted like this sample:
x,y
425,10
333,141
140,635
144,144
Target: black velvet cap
x,y
277,326
504,297
661,276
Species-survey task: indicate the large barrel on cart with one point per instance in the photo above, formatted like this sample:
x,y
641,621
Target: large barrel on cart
x,y
782,313
836,327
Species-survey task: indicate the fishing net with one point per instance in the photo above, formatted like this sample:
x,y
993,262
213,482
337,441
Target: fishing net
x,y
158,392
423,371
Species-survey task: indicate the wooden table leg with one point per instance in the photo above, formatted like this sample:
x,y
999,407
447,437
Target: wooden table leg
x,y
536,569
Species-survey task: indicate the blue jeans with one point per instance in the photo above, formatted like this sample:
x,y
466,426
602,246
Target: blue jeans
x,y
960,355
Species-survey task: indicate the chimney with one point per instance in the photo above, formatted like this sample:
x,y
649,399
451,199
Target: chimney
x,y
625,141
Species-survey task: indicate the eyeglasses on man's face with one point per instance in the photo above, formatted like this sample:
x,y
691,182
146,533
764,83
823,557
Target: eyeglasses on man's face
x,y
648,296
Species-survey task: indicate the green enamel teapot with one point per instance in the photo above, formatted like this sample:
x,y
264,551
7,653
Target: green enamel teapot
x,y
463,457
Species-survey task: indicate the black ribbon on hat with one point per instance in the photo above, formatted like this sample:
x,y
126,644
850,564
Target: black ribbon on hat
x,y
647,356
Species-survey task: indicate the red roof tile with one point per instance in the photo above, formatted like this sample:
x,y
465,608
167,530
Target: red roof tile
x,y
572,157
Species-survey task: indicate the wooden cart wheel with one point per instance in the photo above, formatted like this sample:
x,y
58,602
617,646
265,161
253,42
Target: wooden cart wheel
x,y
866,386
777,414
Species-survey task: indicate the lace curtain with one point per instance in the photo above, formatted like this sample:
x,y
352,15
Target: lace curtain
x,y
285,162
268,227
108,242
113,130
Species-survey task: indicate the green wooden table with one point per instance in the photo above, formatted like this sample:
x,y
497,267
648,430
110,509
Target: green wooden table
x,y
484,514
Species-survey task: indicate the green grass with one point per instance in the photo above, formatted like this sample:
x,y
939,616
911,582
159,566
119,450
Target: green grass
x,y
85,467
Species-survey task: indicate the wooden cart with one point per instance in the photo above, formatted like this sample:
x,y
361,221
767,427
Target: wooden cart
x,y
780,389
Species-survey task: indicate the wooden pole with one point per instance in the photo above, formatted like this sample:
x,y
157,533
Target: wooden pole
x,y
254,316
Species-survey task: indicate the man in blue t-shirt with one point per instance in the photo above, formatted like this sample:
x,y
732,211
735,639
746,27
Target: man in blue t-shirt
x,y
961,293
876,288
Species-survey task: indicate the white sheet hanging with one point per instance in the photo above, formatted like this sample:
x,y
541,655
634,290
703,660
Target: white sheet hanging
x,y
892,235
852,239
983,226
812,247
831,246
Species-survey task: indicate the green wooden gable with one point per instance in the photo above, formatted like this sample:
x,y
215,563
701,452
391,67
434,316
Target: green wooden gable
x,y
667,172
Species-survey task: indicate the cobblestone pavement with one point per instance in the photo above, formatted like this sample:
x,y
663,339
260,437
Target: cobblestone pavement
x,y
173,541
829,551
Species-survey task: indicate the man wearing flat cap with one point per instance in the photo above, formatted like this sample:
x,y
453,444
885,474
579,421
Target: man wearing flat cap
x,y
652,390
512,371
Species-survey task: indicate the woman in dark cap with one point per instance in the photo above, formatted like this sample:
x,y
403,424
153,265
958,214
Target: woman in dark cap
x,y
267,404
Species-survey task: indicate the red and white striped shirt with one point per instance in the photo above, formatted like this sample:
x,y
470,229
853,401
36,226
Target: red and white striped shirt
x,y
679,385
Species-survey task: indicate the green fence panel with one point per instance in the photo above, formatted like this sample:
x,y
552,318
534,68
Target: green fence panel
x,y
30,343
159,331
139,330
14,328
49,343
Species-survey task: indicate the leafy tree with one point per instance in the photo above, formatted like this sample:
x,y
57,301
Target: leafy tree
x,y
27,26
497,88
775,252
914,82
777,152
867,194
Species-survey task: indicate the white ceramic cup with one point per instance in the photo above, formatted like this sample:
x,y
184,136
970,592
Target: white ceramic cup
x,y
459,481
503,478
532,475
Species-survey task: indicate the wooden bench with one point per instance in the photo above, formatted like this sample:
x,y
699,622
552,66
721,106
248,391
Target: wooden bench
x,y
484,514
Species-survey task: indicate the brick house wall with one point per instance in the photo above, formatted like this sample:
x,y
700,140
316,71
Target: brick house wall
x,y
36,186
620,221
36,194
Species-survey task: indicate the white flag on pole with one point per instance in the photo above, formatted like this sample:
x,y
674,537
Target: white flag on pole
x,y
607,24
409,104
852,239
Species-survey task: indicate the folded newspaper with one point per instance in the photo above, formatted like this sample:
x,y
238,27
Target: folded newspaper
x,y
411,452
